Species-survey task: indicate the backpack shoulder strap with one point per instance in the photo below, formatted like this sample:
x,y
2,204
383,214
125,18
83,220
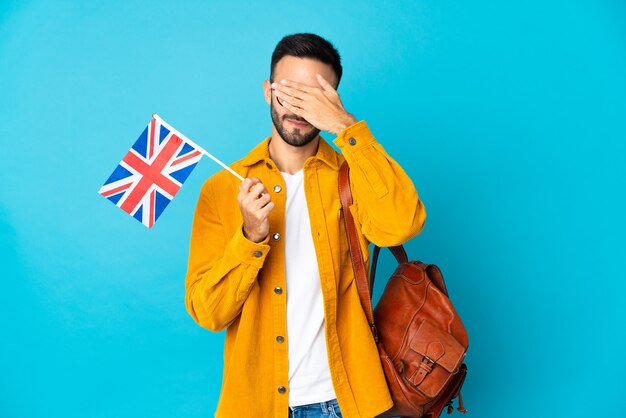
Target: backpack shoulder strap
x,y
398,252
356,255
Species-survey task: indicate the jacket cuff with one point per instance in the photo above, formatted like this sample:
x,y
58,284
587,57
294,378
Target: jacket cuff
x,y
354,137
250,252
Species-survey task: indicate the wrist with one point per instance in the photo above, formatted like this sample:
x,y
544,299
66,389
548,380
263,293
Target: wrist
x,y
345,121
251,237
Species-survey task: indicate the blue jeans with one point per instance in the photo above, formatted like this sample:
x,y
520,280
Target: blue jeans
x,y
328,409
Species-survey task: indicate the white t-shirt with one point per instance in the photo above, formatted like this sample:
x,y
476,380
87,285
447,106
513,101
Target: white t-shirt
x,y
309,373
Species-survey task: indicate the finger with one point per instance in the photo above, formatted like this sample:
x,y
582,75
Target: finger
x,y
295,109
254,181
293,92
255,192
247,183
279,102
260,202
325,84
250,196
256,186
296,85
265,211
294,101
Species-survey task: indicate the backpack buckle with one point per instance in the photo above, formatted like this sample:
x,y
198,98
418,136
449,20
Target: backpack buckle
x,y
432,362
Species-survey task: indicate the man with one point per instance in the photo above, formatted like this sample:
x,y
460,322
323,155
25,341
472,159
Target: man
x,y
276,271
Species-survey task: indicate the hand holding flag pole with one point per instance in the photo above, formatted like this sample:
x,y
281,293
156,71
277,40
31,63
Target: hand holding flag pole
x,y
153,171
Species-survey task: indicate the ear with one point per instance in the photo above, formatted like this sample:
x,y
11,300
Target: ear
x,y
267,91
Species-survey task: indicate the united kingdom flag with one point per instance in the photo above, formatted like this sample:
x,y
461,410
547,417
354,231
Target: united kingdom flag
x,y
151,173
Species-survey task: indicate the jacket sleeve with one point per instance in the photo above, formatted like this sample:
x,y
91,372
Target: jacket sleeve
x,y
386,203
222,267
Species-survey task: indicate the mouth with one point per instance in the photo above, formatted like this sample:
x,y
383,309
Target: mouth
x,y
298,123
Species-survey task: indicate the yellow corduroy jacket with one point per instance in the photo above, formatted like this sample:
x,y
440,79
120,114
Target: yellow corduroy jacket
x,y
238,285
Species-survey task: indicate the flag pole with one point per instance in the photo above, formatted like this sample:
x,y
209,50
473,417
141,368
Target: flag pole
x,y
199,148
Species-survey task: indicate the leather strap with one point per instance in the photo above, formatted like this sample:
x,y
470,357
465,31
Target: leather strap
x,y
356,255
398,252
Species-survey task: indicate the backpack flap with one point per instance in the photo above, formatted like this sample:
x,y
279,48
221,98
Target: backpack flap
x,y
431,357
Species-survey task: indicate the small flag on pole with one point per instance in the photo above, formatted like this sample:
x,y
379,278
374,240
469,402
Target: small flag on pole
x,y
152,172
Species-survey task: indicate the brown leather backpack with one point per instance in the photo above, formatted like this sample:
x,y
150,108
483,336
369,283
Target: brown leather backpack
x,y
421,340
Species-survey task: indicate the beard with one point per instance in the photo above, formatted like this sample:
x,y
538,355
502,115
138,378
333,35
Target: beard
x,y
294,138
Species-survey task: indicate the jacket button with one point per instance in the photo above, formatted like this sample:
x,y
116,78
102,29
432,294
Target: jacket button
x,y
280,339
276,236
352,141
278,290
277,188
281,389
258,254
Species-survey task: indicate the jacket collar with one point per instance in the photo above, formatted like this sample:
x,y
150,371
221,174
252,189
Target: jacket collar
x,y
325,153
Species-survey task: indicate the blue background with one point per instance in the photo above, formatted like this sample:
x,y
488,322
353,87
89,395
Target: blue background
x,y
510,117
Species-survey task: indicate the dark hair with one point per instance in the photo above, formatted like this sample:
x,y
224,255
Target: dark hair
x,y
307,45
